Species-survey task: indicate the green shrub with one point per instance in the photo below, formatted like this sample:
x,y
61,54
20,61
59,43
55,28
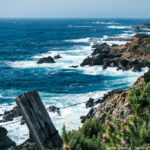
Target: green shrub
x,y
88,137
129,132
139,99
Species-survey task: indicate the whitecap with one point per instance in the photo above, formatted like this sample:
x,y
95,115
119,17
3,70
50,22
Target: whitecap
x,y
83,40
72,26
120,27
102,22
69,58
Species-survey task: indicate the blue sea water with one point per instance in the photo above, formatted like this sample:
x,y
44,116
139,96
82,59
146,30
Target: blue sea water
x,y
24,41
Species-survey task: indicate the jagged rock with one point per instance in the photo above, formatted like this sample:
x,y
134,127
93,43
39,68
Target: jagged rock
x,y
57,56
145,25
10,115
137,29
5,141
74,66
147,77
90,103
115,103
48,59
119,39
83,118
131,56
142,79
54,109
86,61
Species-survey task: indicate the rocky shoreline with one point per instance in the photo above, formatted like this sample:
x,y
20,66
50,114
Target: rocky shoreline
x,y
131,56
115,103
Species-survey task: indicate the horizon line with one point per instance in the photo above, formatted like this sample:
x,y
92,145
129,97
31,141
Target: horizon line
x,y
74,17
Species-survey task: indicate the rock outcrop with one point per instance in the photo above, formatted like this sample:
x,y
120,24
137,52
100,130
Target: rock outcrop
x,y
10,115
57,57
119,39
115,103
145,25
131,56
5,141
48,59
54,109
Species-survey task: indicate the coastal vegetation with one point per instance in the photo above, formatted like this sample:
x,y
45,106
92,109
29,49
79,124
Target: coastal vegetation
x,y
131,131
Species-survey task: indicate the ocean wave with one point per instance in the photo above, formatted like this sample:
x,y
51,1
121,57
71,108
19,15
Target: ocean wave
x,y
120,27
19,133
72,26
83,40
105,37
126,35
69,58
101,22
61,100
95,70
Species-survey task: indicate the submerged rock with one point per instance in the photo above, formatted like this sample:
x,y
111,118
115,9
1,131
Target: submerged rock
x,y
57,56
48,59
54,109
5,141
74,66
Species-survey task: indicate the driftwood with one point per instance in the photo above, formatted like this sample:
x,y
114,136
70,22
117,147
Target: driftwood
x,y
38,121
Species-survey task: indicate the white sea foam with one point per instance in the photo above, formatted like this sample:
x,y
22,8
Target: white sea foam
x,y
102,22
120,27
72,26
19,133
83,40
105,37
126,35
69,58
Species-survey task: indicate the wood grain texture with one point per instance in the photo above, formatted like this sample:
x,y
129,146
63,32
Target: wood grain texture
x,y
38,121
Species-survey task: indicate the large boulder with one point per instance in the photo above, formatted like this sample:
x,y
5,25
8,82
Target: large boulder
x,y
5,141
48,59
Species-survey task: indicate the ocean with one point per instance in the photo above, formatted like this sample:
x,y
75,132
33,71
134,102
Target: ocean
x,y
24,41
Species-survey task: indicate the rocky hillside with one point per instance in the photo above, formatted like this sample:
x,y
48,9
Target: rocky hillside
x,y
131,56
116,103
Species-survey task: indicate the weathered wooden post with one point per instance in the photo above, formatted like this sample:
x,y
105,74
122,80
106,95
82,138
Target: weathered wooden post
x,y
38,121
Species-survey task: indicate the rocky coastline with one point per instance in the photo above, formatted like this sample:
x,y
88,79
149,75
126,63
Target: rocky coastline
x,y
115,103
131,56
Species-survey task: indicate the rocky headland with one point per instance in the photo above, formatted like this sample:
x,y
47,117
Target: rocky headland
x,y
115,103
131,56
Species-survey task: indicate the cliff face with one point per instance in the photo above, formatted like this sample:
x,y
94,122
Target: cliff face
x,y
131,56
115,103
